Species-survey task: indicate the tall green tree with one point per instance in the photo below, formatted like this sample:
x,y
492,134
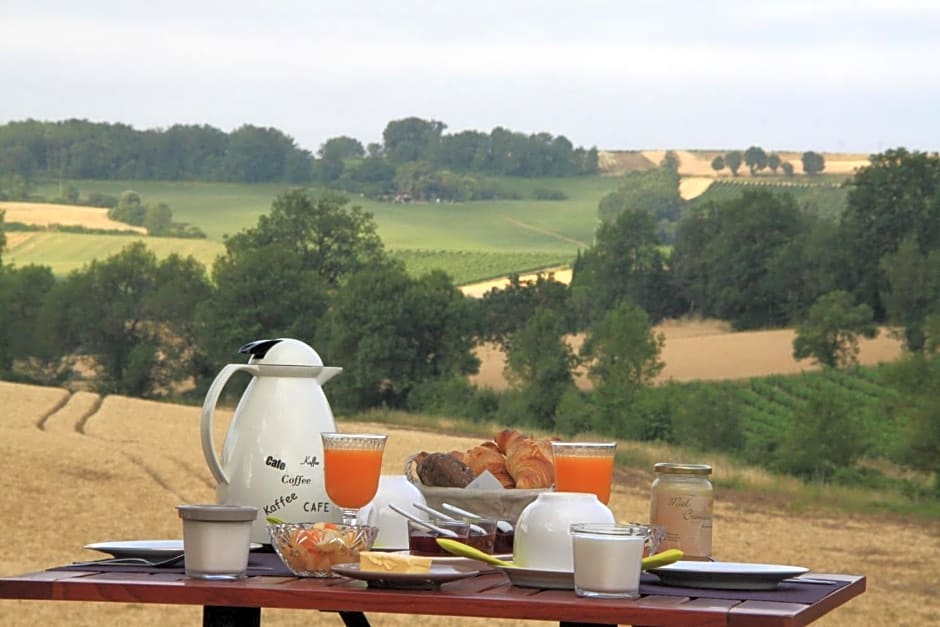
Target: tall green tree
x,y
625,263
539,367
505,310
913,291
895,197
622,353
774,162
412,139
829,334
342,147
733,160
392,333
22,294
813,163
718,164
755,159
733,259
277,278
125,312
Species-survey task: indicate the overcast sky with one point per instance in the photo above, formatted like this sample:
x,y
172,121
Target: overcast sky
x,y
834,75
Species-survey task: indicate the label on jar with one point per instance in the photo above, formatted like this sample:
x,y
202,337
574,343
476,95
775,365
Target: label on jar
x,y
687,520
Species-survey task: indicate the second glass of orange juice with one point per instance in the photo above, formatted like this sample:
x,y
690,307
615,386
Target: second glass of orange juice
x,y
584,467
352,465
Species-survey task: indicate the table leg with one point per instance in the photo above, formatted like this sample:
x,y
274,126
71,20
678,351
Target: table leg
x,y
222,616
354,619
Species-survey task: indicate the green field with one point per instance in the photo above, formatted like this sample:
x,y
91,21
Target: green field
x,y
471,241
222,209
64,252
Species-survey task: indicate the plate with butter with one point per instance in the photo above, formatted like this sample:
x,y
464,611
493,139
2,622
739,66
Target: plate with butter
x,y
391,570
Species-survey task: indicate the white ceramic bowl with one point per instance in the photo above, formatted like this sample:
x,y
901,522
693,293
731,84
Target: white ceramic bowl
x,y
543,531
393,527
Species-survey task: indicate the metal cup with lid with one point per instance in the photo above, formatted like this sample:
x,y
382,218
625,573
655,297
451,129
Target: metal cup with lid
x,y
216,540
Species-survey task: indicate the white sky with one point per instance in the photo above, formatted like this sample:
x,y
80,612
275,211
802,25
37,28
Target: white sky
x,y
834,75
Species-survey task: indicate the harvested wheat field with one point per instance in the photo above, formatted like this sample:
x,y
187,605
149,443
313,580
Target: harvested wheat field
x,y
477,290
83,469
45,214
694,186
707,350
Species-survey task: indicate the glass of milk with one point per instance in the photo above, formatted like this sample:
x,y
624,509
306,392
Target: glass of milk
x,y
607,559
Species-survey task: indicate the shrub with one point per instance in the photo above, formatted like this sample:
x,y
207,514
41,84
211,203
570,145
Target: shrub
x,y
826,436
708,419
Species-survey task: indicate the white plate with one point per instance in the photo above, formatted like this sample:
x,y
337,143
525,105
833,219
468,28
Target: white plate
x,y
436,576
538,578
726,575
147,549
461,563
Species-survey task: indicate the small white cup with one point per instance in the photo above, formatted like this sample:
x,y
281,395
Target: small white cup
x,y
216,540
608,559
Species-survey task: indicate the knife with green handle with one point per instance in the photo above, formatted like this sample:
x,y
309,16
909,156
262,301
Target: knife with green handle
x,y
465,550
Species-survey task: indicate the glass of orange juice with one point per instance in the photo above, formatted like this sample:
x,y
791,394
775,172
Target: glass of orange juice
x,y
584,467
352,465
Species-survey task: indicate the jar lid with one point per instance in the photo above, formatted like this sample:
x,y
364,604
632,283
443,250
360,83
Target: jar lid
x,y
218,513
683,469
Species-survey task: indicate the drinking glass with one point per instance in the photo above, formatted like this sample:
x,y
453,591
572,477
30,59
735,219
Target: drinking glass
x,y
608,559
352,465
584,467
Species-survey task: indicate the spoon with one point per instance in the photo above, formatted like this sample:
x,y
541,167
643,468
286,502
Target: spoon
x,y
474,529
465,550
447,533
502,525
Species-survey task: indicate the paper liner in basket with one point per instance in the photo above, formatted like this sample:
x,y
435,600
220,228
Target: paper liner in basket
x,y
490,501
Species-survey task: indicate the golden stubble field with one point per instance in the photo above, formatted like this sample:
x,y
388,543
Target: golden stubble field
x,y
45,214
707,350
81,469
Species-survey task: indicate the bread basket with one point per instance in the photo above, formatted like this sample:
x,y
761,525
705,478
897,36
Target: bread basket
x,y
502,504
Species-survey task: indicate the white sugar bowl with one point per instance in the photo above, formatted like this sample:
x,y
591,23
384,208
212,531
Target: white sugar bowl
x,y
393,527
543,531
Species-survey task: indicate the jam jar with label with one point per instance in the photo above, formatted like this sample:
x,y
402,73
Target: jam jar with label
x,y
681,500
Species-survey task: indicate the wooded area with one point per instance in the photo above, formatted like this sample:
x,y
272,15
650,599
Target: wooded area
x,y
315,268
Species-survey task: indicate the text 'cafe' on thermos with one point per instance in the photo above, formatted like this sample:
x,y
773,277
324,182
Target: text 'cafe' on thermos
x,y
681,500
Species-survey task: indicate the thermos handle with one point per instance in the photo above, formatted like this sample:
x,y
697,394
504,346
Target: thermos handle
x,y
208,410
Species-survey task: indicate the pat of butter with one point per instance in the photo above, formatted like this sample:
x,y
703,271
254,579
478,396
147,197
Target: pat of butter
x,y
376,561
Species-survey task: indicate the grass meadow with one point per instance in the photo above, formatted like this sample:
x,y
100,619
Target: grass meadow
x,y
471,241
221,209
83,469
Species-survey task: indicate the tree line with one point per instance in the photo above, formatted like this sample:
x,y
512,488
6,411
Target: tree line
x,y
757,159
315,268
416,158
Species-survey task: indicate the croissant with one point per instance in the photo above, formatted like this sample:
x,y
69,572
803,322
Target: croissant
x,y
506,438
487,457
529,465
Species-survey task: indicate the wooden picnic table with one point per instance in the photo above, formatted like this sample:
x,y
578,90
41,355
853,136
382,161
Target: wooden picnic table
x,y
487,595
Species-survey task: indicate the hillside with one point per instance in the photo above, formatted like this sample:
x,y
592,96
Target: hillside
x,y
89,469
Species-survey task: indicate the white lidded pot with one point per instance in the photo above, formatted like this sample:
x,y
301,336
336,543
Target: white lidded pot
x,y
543,531
393,527
272,457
